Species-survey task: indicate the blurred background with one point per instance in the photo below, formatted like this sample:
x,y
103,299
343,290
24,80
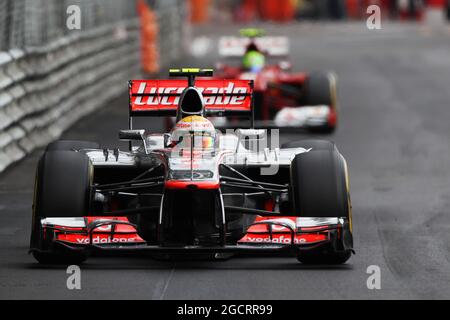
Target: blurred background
x,y
46,68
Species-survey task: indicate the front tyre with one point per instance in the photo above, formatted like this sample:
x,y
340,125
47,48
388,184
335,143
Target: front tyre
x,y
320,189
310,144
62,189
71,145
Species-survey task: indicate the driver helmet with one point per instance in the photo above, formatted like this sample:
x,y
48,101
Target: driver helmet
x,y
253,61
194,132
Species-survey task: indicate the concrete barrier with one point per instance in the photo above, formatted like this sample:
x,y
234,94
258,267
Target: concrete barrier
x,y
44,90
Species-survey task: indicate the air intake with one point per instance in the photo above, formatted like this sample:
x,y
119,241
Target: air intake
x,y
191,102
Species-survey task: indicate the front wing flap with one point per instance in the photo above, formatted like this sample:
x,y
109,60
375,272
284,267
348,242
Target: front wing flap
x,y
266,235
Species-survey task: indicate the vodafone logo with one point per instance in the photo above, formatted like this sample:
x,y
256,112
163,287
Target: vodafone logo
x,y
171,95
98,239
280,239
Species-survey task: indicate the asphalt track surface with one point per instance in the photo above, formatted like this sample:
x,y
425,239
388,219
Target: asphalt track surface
x,y
394,132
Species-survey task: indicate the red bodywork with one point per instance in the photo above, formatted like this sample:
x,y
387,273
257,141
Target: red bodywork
x,y
270,84
164,95
103,234
124,234
264,233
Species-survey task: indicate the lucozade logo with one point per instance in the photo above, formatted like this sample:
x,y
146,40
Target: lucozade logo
x,y
170,96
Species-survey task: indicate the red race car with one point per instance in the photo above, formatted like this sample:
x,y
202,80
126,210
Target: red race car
x,y
282,98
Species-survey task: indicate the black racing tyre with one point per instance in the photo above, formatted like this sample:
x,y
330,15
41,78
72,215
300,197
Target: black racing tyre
x,y
62,189
319,183
313,144
448,10
258,105
68,145
63,186
320,89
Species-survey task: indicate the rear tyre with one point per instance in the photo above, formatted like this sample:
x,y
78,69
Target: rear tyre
x,y
258,105
320,89
62,189
319,183
70,145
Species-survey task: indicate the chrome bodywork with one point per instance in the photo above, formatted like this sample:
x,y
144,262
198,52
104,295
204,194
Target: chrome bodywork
x,y
230,151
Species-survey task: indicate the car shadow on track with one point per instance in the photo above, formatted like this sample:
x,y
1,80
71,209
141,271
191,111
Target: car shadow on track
x,y
236,263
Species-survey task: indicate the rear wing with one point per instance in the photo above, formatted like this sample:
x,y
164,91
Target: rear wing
x,y
161,97
231,46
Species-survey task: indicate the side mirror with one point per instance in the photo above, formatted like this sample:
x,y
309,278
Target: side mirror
x,y
131,135
167,140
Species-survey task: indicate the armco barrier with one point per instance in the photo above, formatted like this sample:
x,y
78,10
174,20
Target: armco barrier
x,y
44,90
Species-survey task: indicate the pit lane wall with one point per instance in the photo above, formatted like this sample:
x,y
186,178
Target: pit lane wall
x,y
51,76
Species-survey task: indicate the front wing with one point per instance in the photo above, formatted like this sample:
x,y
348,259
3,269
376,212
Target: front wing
x,y
266,235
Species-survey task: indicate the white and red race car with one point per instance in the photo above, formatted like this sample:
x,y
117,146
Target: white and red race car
x,y
195,190
283,98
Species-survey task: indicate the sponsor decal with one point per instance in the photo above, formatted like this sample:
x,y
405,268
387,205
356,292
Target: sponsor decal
x,y
171,95
280,239
196,123
283,239
155,100
103,234
107,239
